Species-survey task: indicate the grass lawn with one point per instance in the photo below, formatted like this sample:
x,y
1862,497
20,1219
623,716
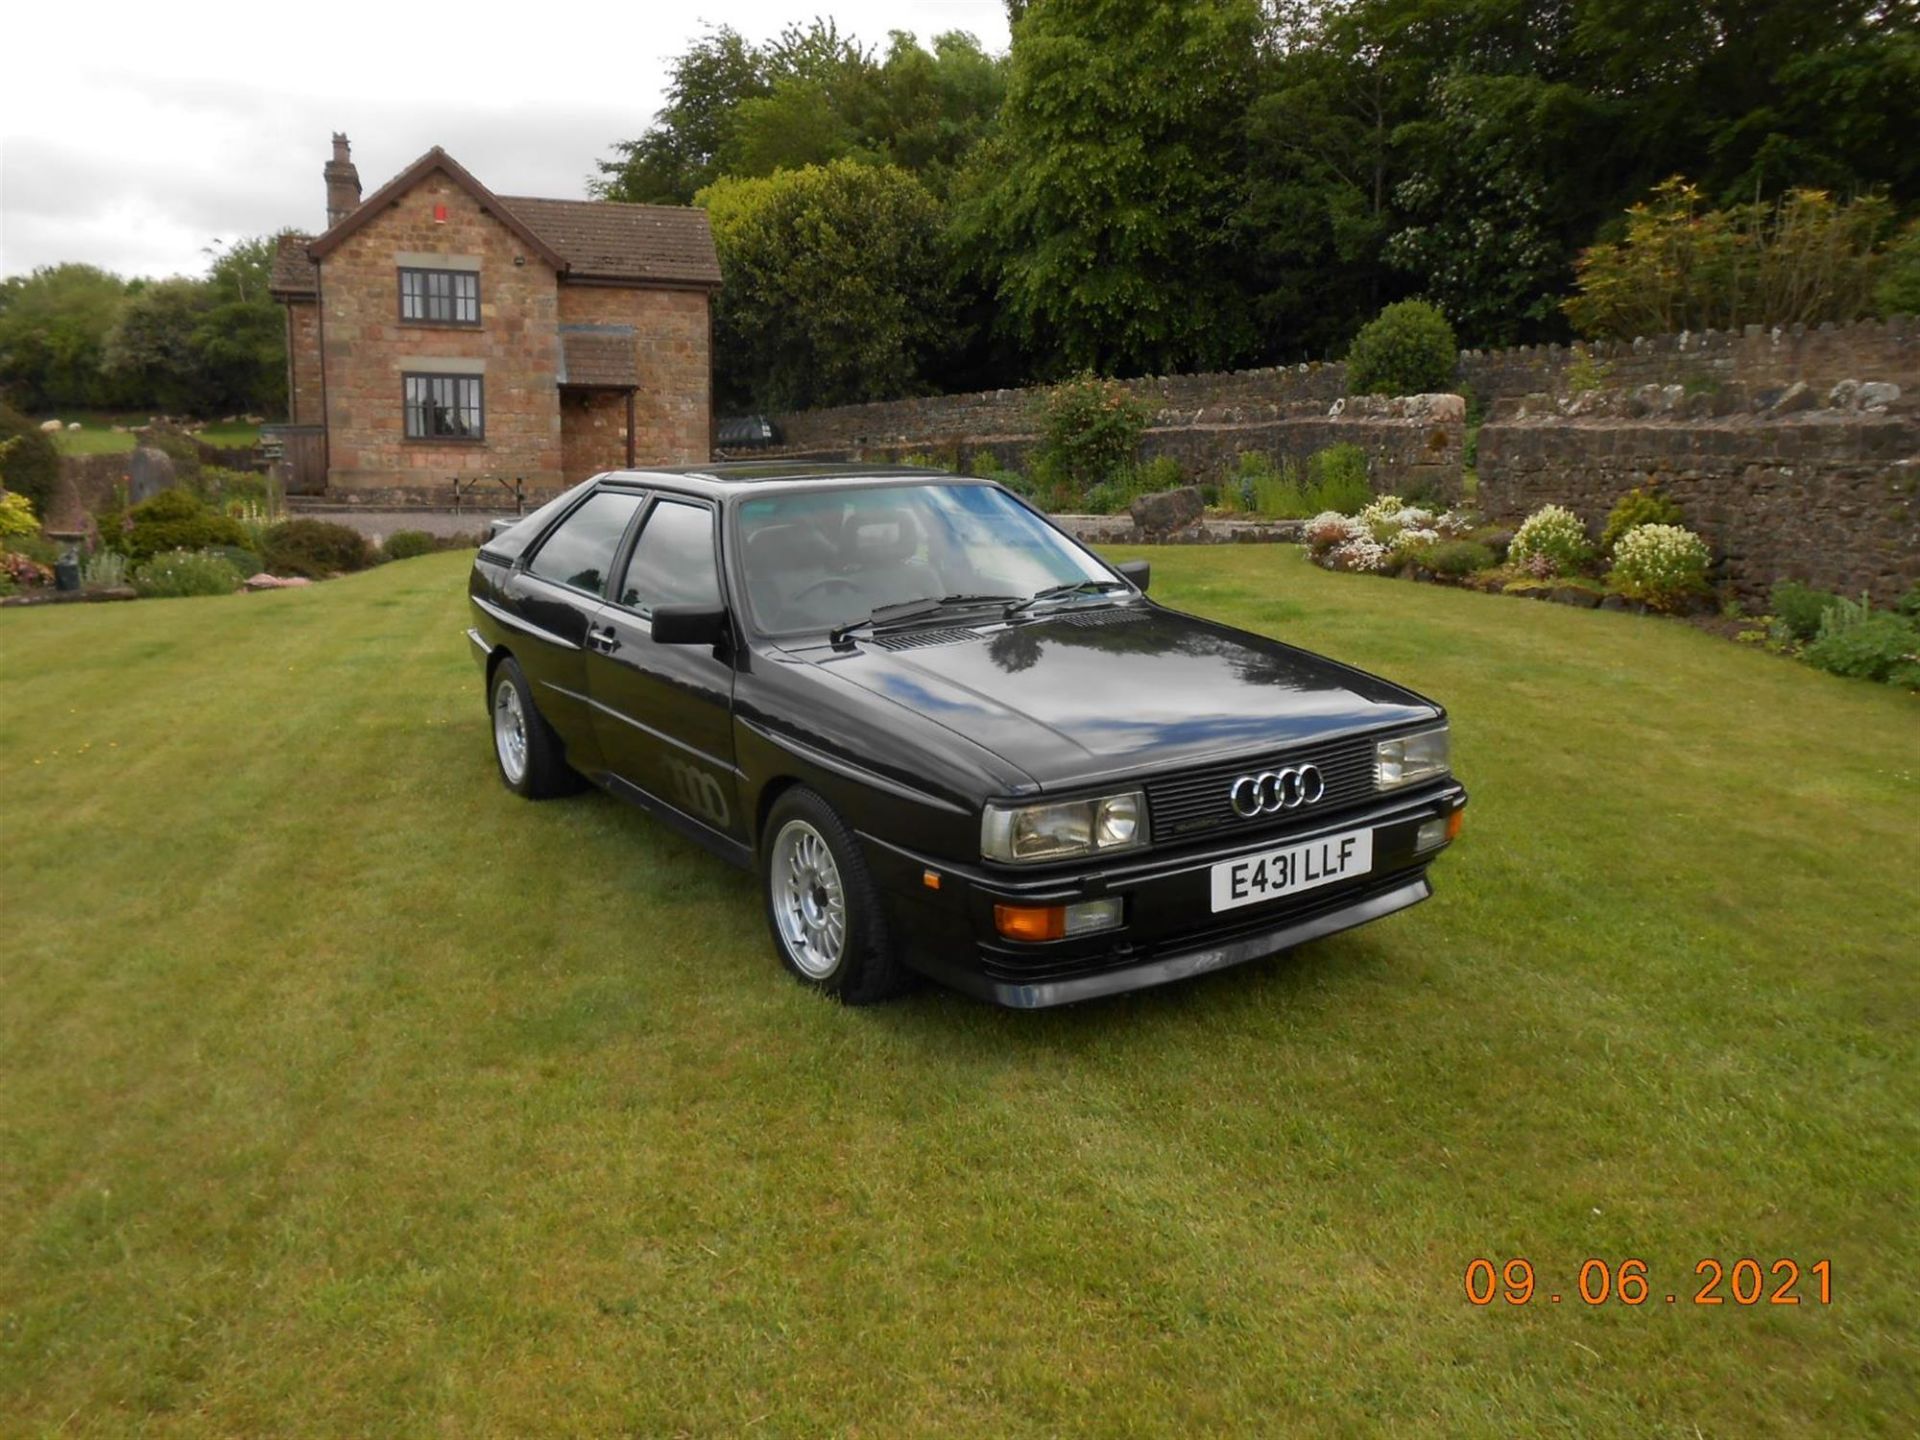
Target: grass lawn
x,y
96,435
343,1093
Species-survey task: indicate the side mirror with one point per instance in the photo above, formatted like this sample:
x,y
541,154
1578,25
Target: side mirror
x,y
1140,572
689,625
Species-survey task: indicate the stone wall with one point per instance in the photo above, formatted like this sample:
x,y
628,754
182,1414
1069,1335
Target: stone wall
x,y
1828,496
306,400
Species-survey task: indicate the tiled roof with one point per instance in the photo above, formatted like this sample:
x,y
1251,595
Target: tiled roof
x,y
598,355
293,273
603,239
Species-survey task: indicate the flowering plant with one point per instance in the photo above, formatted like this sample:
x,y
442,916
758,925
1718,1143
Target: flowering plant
x,y
1660,564
1557,535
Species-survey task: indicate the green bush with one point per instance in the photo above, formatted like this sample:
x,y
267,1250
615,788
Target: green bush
x,y
1337,480
1089,430
1898,290
1909,603
31,465
407,544
1557,536
1458,558
1660,565
1799,609
174,574
1407,349
16,515
314,548
242,557
1865,644
172,520
1110,497
105,570
1642,505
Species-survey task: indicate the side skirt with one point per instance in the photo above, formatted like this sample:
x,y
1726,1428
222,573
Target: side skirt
x,y
702,834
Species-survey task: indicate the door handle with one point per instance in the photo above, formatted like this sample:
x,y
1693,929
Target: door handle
x,y
603,638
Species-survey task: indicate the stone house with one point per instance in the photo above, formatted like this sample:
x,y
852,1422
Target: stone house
x,y
437,332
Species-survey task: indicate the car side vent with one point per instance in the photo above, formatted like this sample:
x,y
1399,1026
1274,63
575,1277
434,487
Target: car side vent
x,y
1093,619
920,639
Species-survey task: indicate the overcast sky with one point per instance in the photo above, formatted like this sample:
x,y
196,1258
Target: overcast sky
x,y
132,137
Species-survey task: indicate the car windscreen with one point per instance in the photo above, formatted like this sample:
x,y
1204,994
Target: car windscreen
x,y
817,559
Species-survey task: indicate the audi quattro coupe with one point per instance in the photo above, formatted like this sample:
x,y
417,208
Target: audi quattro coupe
x,y
947,737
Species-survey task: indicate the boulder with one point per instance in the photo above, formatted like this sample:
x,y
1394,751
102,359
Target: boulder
x,y
1876,395
264,581
1577,595
1841,397
1795,398
149,471
1168,511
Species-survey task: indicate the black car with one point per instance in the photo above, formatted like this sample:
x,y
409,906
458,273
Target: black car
x,y
949,738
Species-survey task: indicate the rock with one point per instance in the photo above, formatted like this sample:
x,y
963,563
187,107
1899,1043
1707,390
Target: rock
x,y
1577,595
1795,398
1613,602
1876,395
1168,511
1841,396
51,425
264,581
149,471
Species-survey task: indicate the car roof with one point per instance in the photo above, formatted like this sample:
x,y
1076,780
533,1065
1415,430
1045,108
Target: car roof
x,y
743,476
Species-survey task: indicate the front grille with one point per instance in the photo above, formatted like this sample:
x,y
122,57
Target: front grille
x,y
1196,803
1037,968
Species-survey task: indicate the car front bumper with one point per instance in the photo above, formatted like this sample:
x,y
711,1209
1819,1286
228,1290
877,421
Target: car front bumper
x,y
1169,930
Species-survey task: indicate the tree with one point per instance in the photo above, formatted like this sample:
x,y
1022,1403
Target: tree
x,y
833,284
1104,231
680,151
54,325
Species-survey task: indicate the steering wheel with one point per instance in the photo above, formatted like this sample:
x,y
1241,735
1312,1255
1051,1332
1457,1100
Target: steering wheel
x,y
800,595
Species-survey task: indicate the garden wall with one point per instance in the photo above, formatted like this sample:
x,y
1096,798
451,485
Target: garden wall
x,y
1828,496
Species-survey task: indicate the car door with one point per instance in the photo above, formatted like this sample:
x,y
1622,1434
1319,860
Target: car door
x,y
556,595
664,713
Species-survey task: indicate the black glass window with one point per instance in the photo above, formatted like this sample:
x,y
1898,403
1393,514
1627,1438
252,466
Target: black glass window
x,y
672,560
444,407
444,297
580,552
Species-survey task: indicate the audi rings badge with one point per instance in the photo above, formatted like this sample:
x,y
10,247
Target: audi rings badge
x,y
1272,791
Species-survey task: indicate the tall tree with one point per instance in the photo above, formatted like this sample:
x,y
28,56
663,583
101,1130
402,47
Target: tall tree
x,y
1104,231
54,326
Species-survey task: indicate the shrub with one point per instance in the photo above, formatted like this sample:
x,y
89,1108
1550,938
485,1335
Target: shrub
x,y
1864,644
407,544
21,569
1798,609
16,515
1898,291
1660,564
1459,557
1089,429
1337,480
30,465
1260,487
173,574
1909,603
1642,505
243,558
172,520
314,548
105,570
1407,349
1555,535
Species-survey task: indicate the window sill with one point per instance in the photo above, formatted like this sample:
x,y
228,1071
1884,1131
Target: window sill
x,y
442,324
443,439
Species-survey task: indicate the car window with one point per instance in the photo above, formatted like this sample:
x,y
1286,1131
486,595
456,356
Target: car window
x,y
580,552
672,560
815,559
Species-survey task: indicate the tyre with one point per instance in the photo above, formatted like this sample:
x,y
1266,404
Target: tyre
x,y
531,759
826,917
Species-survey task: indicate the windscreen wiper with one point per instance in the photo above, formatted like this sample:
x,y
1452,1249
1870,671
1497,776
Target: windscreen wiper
x,y
904,611
1060,592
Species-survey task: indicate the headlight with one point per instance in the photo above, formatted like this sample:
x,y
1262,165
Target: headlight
x,y
1409,759
1024,834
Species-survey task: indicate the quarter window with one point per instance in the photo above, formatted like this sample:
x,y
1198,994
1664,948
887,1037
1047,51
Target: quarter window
x,y
440,297
445,407
672,560
580,552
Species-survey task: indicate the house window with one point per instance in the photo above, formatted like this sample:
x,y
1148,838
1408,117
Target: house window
x,y
440,297
444,407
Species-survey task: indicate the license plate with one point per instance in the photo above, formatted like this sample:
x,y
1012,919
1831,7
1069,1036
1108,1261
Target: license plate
x,y
1291,869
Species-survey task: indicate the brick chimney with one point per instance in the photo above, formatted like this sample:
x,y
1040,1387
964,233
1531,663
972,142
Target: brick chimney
x,y
343,183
